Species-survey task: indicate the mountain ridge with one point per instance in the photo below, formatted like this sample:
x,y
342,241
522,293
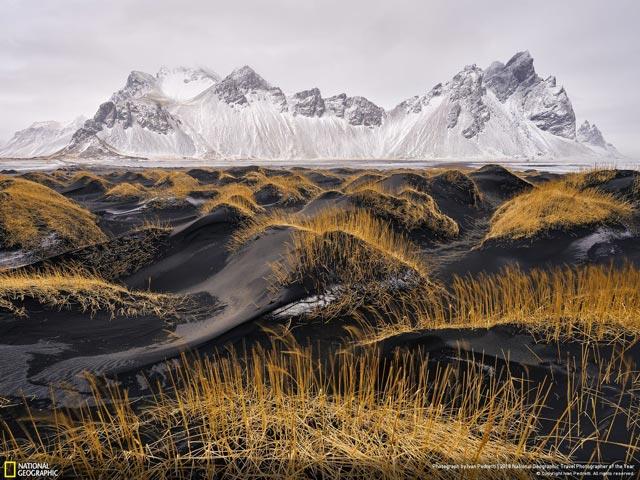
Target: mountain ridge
x,y
505,110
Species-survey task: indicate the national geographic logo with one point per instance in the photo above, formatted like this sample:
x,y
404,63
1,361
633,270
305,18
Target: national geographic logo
x,y
12,469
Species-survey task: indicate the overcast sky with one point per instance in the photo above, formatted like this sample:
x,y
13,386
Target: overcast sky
x,y
60,59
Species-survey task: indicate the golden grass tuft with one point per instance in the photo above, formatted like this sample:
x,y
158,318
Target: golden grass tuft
x,y
291,188
127,191
235,196
86,177
175,184
358,224
66,289
590,178
30,213
349,255
409,210
366,180
595,301
555,206
278,415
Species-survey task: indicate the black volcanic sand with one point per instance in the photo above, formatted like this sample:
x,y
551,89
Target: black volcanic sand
x,y
231,299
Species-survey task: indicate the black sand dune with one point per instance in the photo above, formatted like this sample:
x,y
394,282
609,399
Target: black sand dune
x,y
171,247
192,259
227,292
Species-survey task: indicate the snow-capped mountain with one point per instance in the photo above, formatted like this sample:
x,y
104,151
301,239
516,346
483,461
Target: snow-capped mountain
x,y
41,138
591,136
505,110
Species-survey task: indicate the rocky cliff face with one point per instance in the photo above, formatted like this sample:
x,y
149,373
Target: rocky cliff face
x,y
505,110
467,89
356,110
132,106
542,101
308,103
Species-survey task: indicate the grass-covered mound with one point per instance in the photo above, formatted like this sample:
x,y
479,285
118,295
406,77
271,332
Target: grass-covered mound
x,y
282,189
362,180
116,258
236,198
498,183
410,210
168,188
50,180
83,183
127,191
32,215
555,206
58,289
349,255
624,184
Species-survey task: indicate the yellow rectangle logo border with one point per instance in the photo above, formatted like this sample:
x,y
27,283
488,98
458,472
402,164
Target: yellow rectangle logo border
x,y
7,473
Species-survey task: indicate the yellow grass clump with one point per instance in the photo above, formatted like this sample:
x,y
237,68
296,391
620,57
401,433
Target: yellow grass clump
x,y
591,178
409,209
599,302
358,224
278,415
291,188
176,184
88,177
235,196
58,289
30,213
555,206
349,255
127,191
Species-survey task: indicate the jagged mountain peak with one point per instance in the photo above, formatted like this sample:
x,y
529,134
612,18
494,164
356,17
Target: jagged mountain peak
x,y
591,134
521,65
234,88
505,79
247,79
45,124
138,81
188,73
308,103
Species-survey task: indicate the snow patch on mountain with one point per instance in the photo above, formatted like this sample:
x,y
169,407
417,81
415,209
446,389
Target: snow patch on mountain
x,y
41,138
182,83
